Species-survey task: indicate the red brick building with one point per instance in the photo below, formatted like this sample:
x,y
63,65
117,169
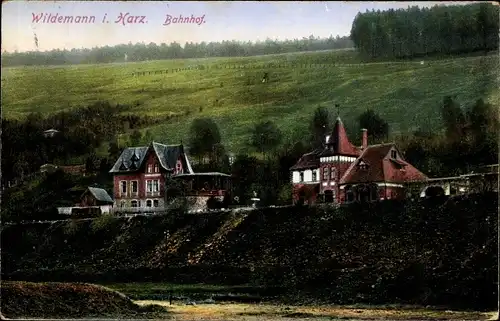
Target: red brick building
x,y
343,173
141,173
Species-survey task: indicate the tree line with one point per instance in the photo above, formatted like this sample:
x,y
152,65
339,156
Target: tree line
x,y
152,51
422,31
81,131
468,139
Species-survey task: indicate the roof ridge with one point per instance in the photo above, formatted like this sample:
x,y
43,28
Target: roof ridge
x,y
378,145
166,145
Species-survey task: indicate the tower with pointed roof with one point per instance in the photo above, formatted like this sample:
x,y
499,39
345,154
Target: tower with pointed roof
x,y
343,173
334,160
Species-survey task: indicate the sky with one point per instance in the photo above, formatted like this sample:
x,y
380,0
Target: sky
x,y
246,21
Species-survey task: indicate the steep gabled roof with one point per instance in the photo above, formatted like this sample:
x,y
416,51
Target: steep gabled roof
x,y
167,154
132,158
381,168
100,194
307,161
338,143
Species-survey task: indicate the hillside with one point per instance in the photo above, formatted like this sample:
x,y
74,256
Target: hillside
x,y
64,300
415,253
406,93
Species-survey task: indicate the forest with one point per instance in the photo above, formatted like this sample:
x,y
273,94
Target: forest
x,y
152,51
416,32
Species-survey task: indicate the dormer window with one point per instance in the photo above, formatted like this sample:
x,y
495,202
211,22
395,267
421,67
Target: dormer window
x,y
134,158
394,154
362,165
150,168
157,168
122,166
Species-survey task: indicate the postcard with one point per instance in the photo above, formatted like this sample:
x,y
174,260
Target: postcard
x,y
249,159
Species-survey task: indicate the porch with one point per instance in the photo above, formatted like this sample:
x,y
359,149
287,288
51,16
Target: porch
x,y
204,184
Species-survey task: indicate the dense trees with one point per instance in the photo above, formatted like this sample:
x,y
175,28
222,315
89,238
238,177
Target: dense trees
x,y
469,139
81,131
319,126
437,154
266,136
378,128
205,140
422,31
153,51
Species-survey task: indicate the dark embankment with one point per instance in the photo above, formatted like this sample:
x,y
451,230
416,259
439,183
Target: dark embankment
x,y
67,300
440,252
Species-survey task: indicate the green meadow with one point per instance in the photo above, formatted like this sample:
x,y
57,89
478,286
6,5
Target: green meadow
x,y
407,94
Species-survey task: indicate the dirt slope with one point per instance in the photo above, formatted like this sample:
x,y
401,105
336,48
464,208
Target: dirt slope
x,y
65,300
415,253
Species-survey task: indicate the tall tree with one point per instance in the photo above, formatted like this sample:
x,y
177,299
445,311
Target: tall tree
x,y
265,137
135,138
453,119
204,136
319,126
377,127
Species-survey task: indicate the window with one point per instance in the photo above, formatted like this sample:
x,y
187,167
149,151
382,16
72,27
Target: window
x,y
179,167
134,203
349,194
152,186
150,168
314,178
157,169
123,187
122,204
325,173
362,165
156,203
149,203
394,154
301,176
135,187
333,173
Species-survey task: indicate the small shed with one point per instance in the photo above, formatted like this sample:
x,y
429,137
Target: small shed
x,y
94,196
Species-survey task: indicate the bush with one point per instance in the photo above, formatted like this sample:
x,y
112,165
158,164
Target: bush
x,y
103,222
71,227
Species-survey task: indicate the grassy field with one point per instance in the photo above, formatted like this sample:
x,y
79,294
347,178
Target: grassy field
x,y
407,94
143,293
247,312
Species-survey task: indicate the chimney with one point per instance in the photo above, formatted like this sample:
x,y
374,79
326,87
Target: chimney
x,y
364,140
